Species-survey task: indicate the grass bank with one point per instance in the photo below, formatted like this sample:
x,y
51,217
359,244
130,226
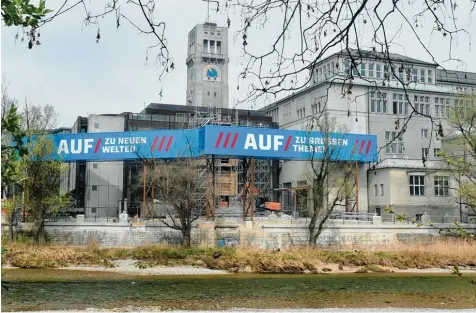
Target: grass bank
x,y
296,260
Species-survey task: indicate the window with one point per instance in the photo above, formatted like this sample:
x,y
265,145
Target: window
x,y
378,73
381,189
375,190
215,93
94,188
424,153
371,70
430,76
424,133
362,69
96,125
442,186
422,104
393,143
415,75
328,70
442,107
347,67
398,105
378,102
422,75
218,34
314,109
208,93
332,67
93,210
95,165
418,217
400,73
417,185
435,152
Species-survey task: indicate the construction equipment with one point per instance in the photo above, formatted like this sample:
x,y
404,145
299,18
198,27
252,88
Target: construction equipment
x,y
262,204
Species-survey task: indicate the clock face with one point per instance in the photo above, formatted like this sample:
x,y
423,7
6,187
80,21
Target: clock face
x,y
211,73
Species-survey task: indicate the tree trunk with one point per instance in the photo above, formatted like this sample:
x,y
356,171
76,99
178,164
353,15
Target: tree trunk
x,y
318,203
186,235
40,234
10,226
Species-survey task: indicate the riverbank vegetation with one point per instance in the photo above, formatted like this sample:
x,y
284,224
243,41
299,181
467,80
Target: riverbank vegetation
x,y
442,253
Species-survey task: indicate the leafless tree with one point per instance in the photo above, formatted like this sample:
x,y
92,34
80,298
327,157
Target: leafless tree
x,y
333,180
39,119
459,152
304,33
175,184
119,11
7,101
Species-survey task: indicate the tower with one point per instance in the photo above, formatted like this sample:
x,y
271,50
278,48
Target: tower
x,y
207,66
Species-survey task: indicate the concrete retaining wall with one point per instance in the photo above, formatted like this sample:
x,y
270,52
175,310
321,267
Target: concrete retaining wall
x,y
261,233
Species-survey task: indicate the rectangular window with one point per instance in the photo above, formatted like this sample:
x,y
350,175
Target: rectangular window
x,y
332,68
442,186
362,69
422,75
375,190
424,153
400,73
96,125
347,67
436,152
422,104
415,75
93,210
378,102
430,76
442,107
381,189
371,70
95,165
417,185
94,188
328,70
398,105
378,72
393,143
424,133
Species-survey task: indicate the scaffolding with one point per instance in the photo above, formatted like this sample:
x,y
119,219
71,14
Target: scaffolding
x,y
221,181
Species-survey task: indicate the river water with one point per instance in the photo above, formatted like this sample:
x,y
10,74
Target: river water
x,y
40,290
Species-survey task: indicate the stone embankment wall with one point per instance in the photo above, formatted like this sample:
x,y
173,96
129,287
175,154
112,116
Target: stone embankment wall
x,y
265,233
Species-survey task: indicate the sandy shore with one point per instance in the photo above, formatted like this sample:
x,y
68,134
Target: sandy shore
x,y
130,267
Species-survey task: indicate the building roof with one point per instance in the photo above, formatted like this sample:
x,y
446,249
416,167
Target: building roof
x,y
412,164
163,108
455,77
374,55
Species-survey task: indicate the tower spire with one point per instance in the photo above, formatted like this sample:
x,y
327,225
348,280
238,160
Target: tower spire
x,y
208,8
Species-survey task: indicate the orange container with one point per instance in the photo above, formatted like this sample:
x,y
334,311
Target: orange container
x,y
273,206
223,204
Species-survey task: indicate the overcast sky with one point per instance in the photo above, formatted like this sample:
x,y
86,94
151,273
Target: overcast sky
x,y
81,77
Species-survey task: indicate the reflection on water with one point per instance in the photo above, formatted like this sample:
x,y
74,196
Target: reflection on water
x,y
54,290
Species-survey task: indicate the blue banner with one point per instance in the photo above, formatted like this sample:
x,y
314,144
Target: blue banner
x,y
118,146
265,143
221,141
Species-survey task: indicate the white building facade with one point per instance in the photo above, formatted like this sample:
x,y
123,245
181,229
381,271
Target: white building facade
x,y
369,93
